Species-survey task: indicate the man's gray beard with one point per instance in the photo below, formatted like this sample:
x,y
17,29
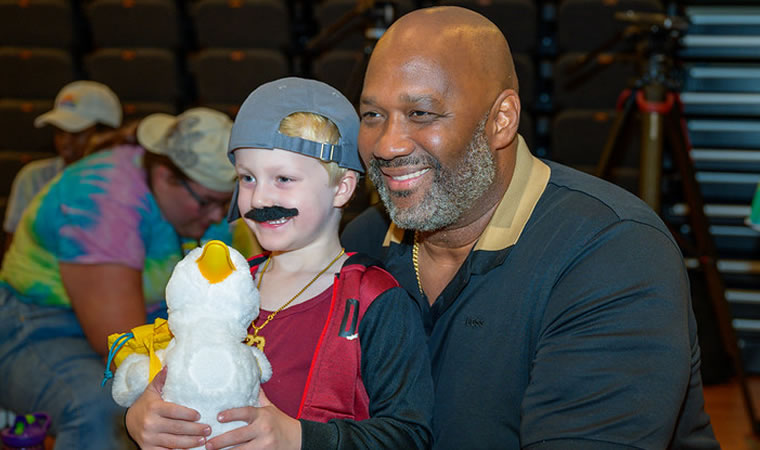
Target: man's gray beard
x,y
452,192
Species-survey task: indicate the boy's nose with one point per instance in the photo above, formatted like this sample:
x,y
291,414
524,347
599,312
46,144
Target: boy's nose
x,y
262,197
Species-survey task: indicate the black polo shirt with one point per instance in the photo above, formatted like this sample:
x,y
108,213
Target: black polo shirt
x,y
569,325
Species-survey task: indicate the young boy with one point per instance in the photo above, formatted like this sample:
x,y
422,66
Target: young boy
x,y
346,343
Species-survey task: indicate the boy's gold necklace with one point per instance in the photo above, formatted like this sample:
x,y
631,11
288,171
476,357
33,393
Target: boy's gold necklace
x,y
259,341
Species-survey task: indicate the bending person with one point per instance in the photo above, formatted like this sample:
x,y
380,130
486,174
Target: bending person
x,y
93,253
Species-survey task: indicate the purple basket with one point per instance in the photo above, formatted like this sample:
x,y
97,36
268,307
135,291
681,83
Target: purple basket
x,y
27,431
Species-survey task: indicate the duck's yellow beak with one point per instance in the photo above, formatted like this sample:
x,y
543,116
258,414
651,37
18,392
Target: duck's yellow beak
x,y
215,263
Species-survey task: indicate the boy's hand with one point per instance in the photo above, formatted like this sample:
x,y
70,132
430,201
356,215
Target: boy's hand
x,y
268,428
156,424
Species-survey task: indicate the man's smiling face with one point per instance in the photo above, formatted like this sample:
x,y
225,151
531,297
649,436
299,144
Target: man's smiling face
x,y
422,140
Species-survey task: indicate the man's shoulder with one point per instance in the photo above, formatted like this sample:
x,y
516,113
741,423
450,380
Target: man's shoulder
x,y
37,173
587,194
365,233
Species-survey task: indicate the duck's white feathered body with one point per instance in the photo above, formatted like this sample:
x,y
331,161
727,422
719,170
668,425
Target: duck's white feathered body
x,y
210,369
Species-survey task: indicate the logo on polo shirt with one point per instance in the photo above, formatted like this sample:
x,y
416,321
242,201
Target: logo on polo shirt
x,y
474,322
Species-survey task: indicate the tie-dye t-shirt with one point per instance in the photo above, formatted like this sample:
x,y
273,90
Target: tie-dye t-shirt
x,y
99,210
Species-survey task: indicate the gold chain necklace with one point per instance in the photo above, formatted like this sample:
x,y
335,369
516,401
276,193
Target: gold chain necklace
x,y
416,260
259,341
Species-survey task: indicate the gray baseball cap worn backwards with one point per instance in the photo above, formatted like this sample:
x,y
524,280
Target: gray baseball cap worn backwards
x,y
258,122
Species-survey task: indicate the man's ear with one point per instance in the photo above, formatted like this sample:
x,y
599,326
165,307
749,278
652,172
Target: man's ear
x,y
345,188
506,118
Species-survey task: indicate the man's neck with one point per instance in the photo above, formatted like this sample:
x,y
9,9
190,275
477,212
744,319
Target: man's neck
x,y
440,253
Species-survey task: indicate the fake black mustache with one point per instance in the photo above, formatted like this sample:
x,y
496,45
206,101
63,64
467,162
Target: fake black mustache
x,y
270,213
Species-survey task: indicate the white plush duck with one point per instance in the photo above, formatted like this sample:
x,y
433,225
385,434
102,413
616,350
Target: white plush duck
x,y
211,299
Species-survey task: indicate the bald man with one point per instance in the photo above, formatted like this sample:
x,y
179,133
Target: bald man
x,y
557,305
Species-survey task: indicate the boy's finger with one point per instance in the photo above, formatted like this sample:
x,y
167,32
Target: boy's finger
x,y
246,414
185,428
177,442
179,412
237,436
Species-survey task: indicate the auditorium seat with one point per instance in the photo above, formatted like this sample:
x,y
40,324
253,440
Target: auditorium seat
x,y
137,110
525,71
134,23
515,18
34,73
140,74
526,128
227,76
36,23
17,129
241,23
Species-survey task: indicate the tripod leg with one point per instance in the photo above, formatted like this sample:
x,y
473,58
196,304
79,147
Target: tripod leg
x,y
603,166
706,252
650,177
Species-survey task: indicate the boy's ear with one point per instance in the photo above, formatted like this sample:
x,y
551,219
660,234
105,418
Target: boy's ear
x,y
345,188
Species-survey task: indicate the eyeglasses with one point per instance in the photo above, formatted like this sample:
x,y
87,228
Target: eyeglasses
x,y
205,204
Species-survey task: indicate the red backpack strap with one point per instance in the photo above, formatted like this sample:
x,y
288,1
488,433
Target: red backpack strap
x,y
363,279
255,261
334,387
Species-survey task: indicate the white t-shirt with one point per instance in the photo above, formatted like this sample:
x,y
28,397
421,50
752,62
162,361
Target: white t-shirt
x,y
28,182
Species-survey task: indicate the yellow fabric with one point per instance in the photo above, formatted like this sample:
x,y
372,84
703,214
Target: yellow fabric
x,y
243,239
147,339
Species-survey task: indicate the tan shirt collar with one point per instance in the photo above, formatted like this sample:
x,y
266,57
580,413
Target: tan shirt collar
x,y
530,178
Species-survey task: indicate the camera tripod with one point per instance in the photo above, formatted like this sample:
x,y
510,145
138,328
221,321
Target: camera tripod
x,y
655,98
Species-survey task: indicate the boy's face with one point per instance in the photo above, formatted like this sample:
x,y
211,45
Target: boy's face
x,y
297,183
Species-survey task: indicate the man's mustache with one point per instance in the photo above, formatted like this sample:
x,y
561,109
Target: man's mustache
x,y
270,213
402,161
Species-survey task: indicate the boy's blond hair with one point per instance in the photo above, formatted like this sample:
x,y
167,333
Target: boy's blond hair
x,y
317,128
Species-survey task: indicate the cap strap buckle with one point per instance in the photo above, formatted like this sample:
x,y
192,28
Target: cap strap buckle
x,y
322,151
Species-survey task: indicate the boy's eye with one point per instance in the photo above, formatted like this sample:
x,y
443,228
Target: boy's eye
x,y
284,179
247,179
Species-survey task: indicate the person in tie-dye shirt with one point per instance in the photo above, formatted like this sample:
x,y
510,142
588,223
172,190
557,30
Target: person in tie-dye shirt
x,y
92,254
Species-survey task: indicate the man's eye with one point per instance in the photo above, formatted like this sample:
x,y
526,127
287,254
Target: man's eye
x,y
420,114
369,115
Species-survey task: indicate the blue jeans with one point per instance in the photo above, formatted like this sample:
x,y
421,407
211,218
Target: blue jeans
x,y
46,364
